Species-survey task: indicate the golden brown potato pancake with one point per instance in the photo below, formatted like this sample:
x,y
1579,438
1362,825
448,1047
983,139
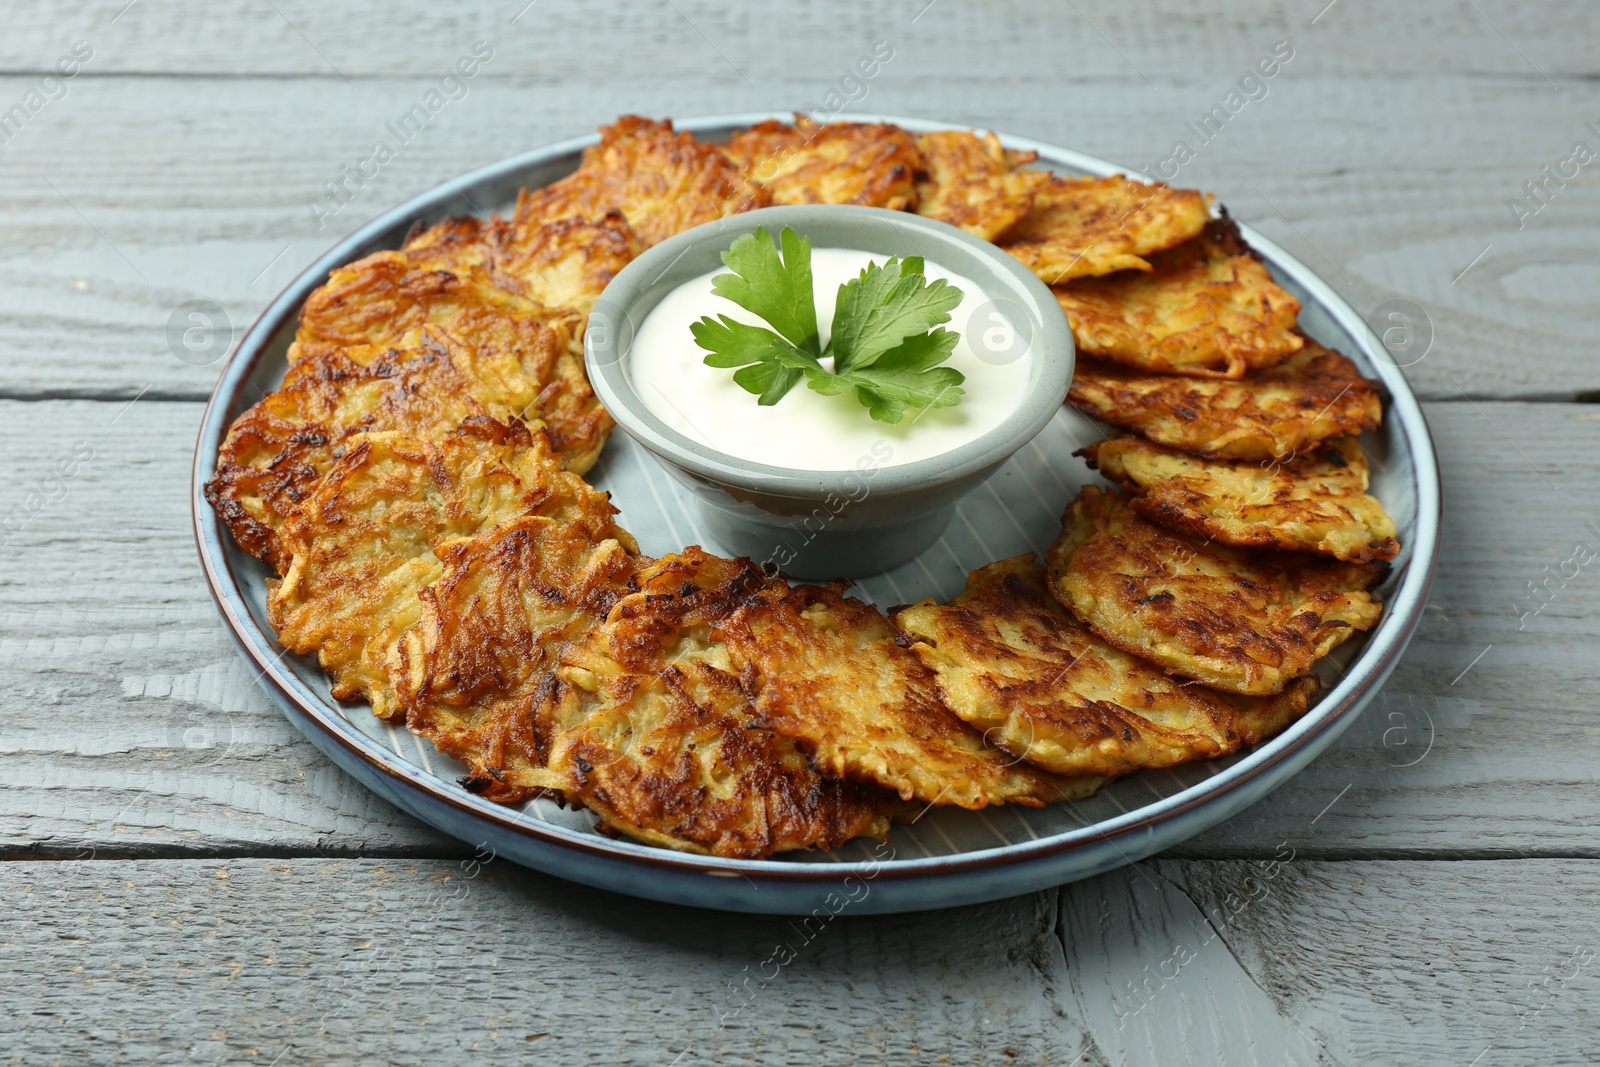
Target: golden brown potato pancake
x,y
1086,226
652,733
516,344
562,265
673,759
1317,502
663,182
828,671
566,263
377,300
276,451
455,244
1012,663
872,164
969,181
1276,413
1207,307
1245,621
362,544
491,626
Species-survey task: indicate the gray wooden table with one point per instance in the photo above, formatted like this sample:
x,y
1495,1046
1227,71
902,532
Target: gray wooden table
x,y
185,878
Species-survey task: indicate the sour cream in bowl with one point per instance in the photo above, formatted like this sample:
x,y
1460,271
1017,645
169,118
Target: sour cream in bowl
x,y
807,430
856,467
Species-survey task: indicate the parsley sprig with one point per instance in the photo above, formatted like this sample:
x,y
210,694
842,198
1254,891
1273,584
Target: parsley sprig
x,y
886,343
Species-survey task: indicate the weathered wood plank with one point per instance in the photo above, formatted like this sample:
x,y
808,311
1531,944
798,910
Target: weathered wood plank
x,y
432,961
113,654
1345,963
212,174
1155,984
1187,963
307,40
181,160
130,726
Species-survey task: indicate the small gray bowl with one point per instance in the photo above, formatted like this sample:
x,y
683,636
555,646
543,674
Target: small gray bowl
x,y
829,524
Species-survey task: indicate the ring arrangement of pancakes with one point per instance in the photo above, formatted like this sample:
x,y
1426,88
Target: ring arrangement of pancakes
x,y
416,484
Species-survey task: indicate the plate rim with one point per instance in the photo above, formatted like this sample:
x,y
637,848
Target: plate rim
x,y
1260,770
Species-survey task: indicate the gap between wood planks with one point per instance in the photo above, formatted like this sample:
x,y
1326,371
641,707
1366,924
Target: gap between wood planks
x,y
101,396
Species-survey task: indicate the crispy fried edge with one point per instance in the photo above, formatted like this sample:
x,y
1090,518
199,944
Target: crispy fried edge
x,y
1030,241
891,185
1174,504
579,194
1110,392
1271,340
993,777
942,186
1258,679
1022,580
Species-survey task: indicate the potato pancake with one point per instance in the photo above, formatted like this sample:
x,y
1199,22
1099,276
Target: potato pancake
x,y
1283,411
276,451
1317,502
969,181
561,265
872,164
673,759
1012,663
454,244
1244,621
377,300
651,732
828,671
1208,307
663,182
361,546
490,629
518,346
566,263
1079,227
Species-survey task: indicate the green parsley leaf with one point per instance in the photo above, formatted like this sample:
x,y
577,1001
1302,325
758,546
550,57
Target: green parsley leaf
x,y
906,376
885,345
776,290
884,306
771,365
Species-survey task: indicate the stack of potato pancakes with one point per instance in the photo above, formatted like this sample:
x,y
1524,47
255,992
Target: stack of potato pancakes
x,y
416,484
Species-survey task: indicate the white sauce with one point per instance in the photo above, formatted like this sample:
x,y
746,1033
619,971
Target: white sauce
x,y
806,430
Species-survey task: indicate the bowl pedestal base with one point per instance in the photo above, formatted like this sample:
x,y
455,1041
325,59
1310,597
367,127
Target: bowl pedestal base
x,y
824,546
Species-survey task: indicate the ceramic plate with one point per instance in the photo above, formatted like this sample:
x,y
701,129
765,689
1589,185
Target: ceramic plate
x,y
949,856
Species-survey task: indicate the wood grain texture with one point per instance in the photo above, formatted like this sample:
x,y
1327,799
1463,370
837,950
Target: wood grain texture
x,y
434,961
301,39
1383,154
110,628
111,650
1343,963
1174,962
1418,895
